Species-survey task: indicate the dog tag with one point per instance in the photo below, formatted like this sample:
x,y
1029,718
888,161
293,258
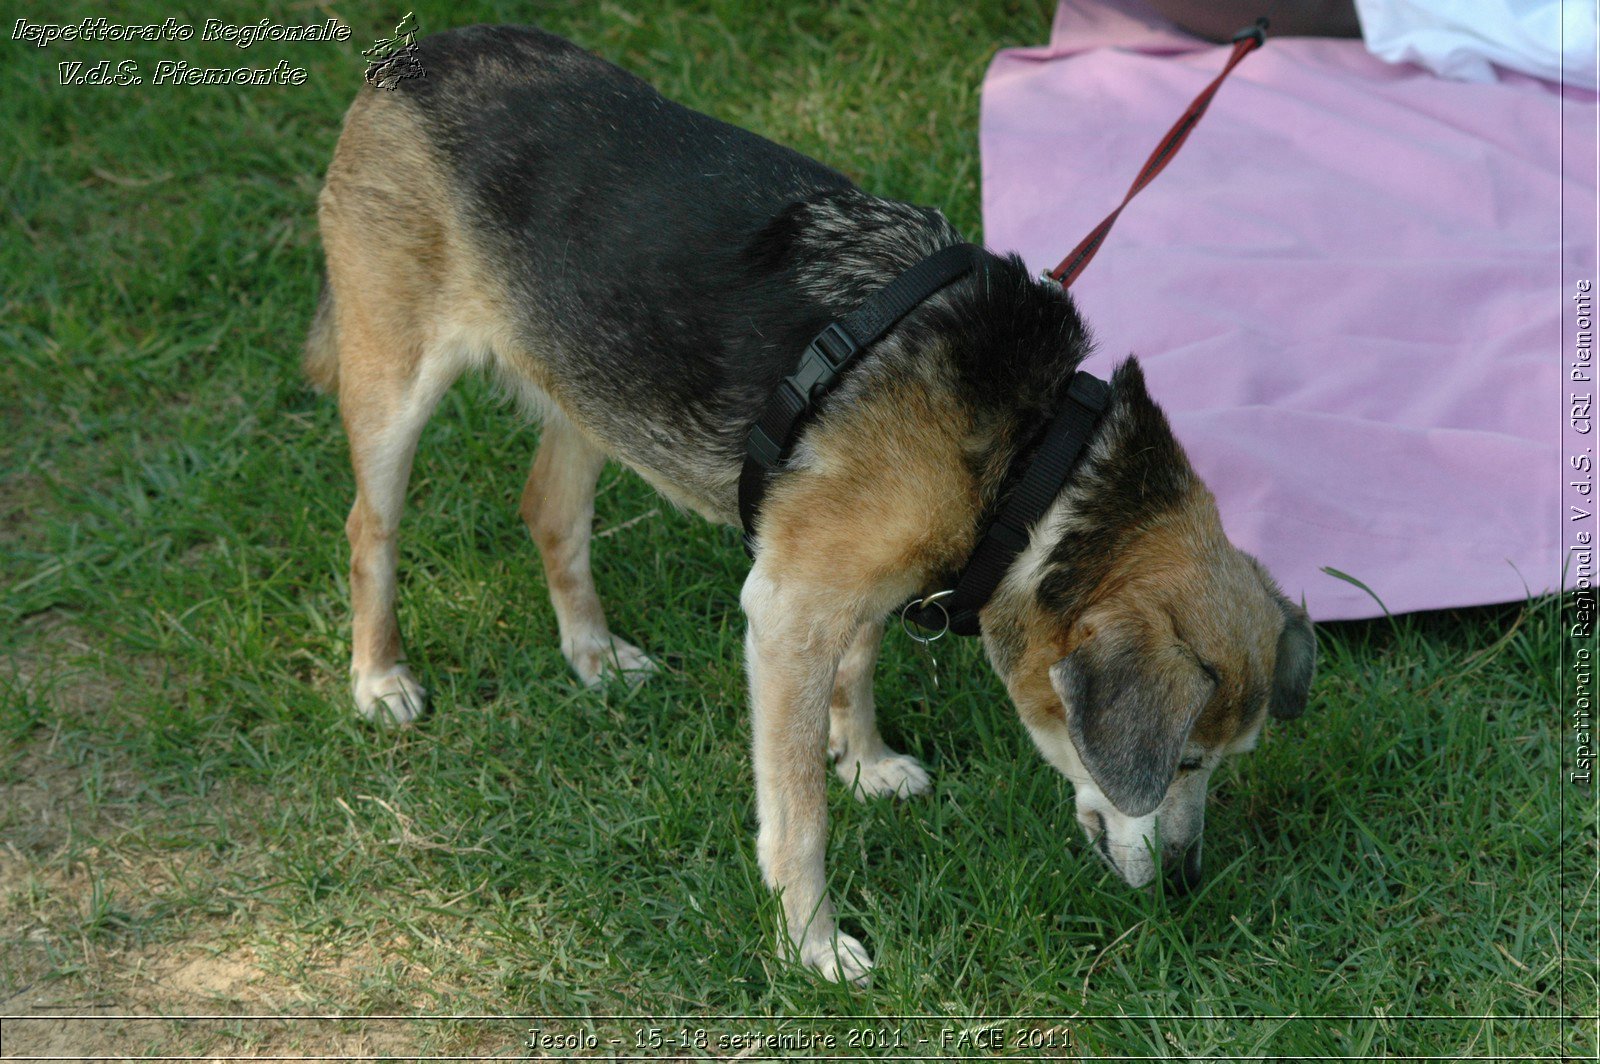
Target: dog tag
x,y
933,663
926,641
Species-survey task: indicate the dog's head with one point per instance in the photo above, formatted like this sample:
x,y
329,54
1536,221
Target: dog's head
x,y
1140,646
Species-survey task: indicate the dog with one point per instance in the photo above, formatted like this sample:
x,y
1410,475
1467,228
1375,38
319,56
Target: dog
x,y
642,277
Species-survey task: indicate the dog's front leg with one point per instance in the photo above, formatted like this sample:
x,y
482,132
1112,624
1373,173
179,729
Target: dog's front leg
x,y
792,650
863,760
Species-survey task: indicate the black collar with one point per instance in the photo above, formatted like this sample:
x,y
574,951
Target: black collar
x,y
1037,486
775,431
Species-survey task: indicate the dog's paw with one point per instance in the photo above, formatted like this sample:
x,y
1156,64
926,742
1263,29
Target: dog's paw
x,y
594,658
839,959
899,775
392,698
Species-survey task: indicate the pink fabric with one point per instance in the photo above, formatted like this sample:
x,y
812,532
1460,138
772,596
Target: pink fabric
x,y
1348,291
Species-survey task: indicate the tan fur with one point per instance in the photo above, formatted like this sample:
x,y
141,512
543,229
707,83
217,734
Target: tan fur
x,y
883,497
320,360
862,759
410,305
845,538
1186,559
1205,602
381,213
558,508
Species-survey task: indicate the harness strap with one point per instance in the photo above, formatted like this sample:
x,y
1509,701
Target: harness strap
x,y
775,431
1244,42
1006,536
1068,433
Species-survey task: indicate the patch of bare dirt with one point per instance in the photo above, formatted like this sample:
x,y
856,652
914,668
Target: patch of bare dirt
x,y
119,918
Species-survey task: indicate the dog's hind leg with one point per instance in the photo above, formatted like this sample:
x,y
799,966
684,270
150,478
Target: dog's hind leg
x,y
558,508
867,766
385,398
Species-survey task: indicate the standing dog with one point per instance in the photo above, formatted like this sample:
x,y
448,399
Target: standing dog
x,y
643,277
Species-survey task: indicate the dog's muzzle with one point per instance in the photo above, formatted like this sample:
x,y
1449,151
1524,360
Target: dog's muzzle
x,y
1182,868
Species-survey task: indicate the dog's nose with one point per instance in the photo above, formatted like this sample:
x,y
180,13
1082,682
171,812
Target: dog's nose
x,y
1183,873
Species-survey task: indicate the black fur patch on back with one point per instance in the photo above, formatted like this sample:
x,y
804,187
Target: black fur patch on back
x,y
626,225
668,269
1020,340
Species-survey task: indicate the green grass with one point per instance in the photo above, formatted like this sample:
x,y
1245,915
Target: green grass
x,y
191,821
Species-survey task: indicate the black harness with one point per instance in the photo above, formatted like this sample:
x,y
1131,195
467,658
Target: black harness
x,y
775,431
771,439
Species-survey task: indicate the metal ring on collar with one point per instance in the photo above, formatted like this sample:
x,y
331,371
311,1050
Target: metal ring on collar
x,y
935,599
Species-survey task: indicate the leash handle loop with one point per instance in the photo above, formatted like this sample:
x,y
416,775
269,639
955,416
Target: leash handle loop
x,y
1245,41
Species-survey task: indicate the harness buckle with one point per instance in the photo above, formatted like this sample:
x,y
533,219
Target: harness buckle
x,y
761,447
821,362
832,348
836,343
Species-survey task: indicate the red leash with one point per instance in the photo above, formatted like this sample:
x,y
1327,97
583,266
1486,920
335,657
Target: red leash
x,y
1244,42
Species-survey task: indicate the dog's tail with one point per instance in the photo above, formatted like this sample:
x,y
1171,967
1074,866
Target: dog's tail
x,y
321,358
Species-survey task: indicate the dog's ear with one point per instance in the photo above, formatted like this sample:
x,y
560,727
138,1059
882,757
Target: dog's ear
x,y
1131,699
1297,658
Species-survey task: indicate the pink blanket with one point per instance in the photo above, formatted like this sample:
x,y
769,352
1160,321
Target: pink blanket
x,y
1349,291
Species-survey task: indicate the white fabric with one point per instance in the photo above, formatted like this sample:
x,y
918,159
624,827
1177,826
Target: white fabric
x,y
1550,39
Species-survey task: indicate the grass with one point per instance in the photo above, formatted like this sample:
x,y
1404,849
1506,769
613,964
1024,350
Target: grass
x,y
193,823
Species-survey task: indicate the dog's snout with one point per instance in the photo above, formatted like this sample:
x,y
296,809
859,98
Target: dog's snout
x,y
1183,871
